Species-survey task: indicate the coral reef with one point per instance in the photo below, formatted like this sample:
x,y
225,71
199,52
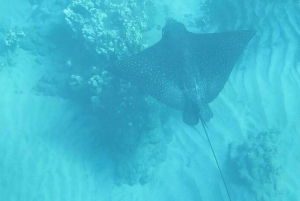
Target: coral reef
x,y
133,128
97,83
259,165
111,29
12,39
105,31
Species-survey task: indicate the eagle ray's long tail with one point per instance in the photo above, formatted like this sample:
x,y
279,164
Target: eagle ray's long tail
x,y
204,127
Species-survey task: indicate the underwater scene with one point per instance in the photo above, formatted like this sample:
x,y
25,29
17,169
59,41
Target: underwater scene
x,y
150,100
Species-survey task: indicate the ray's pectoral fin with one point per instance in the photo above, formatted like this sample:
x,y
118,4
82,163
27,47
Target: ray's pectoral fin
x,y
192,113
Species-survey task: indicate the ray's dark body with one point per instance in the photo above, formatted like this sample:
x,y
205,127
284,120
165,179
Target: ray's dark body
x,y
184,70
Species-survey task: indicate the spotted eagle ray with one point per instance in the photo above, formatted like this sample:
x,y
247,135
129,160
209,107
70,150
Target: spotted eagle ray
x,y
184,70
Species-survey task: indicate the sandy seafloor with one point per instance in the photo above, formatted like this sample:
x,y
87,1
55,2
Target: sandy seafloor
x,y
47,147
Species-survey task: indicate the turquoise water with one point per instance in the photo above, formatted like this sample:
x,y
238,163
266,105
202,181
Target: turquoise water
x,y
70,130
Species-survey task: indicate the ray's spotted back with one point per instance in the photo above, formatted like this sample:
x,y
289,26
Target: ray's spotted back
x,y
184,70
